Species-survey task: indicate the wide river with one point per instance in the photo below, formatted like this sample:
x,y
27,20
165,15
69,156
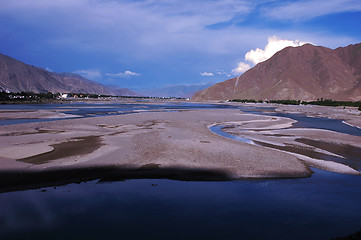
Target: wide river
x,y
324,206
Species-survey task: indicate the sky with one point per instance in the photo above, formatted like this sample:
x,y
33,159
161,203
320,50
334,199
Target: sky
x,y
142,44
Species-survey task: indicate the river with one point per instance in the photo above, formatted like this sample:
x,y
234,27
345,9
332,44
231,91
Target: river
x,y
324,206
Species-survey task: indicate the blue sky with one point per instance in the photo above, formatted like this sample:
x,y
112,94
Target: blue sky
x,y
154,43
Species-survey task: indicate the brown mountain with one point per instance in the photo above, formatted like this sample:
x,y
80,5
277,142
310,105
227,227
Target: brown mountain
x,y
300,73
16,76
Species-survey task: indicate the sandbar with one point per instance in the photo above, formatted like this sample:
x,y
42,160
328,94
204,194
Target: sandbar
x,y
175,145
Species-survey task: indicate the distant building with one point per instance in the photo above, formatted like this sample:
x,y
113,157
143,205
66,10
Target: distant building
x,y
64,95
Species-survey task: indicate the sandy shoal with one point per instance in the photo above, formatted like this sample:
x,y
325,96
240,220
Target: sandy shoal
x,y
175,145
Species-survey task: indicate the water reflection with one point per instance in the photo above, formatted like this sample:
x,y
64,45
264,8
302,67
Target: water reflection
x,y
321,207
324,206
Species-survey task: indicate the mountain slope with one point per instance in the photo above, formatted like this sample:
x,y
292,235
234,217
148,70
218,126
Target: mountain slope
x,y
307,72
182,91
16,76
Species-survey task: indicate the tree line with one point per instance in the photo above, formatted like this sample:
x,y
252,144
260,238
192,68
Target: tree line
x,y
34,97
320,102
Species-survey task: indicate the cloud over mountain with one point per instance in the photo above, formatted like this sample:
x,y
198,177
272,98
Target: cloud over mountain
x,y
305,72
258,55
274,45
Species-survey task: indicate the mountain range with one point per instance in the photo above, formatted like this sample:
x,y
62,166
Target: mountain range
x,y
300,73
178,91
16,76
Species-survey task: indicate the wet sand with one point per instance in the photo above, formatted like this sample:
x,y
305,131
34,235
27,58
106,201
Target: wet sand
x,y
74,147
174,145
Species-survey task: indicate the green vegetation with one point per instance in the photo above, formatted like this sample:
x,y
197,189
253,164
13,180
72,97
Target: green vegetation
x,y
329,102
286,102
40,97
321,102
27,96
245,100
289,102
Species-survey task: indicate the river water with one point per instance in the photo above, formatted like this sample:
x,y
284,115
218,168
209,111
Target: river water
x,y
99,109
324,206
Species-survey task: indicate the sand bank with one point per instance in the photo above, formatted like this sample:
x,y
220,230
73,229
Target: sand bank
x,y
159,143
34,114
175,145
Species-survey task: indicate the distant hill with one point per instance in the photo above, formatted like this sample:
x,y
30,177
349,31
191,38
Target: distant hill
x,y
181,91
301,73
16,76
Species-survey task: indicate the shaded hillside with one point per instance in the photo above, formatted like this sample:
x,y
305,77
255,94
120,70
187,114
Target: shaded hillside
x,y
16,76
306,73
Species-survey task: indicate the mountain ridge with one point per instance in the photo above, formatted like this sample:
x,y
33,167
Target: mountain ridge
x,y
17,76
303,73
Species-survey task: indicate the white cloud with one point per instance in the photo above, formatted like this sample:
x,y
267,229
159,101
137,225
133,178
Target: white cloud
x,y
241,68
153,27
131,73
152,31
89,73
126,73
157,29
224,73
207,74
274,45
303,10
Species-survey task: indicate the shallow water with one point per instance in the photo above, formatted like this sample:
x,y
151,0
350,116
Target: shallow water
x,y
218,129
105,109
351,156
86,110
321,207
313,122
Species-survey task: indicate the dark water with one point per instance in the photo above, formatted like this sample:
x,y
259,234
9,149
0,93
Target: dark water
x,y
325,206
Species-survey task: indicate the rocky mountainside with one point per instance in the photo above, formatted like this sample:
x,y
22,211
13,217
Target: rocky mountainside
x,y
16,76
300,73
